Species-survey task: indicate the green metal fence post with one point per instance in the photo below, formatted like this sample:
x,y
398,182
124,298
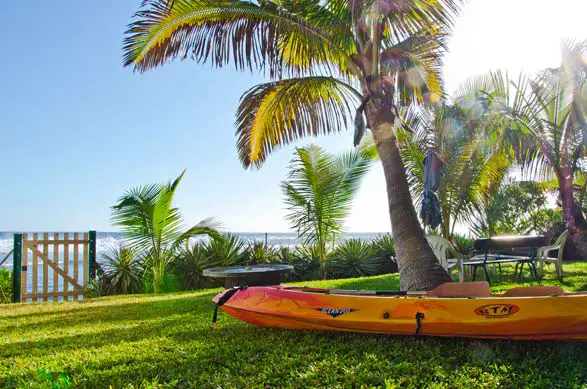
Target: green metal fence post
x,y
16,268
92,255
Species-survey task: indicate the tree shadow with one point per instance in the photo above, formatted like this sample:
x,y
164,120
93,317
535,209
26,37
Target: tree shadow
x,y
109,315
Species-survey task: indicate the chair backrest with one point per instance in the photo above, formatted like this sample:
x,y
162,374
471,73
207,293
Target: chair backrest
x,y
441,247
561,241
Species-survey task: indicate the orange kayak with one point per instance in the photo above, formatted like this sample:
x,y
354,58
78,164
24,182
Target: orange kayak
x,y
462,310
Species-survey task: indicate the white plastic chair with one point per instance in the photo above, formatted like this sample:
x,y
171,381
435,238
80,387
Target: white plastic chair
x,y
543,255
447,254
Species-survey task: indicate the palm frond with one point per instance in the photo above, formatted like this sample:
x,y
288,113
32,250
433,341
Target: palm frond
x,y
319,191
209,227
277,113
273,36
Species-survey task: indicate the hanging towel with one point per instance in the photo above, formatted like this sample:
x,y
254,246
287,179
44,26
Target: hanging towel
x,y
430,212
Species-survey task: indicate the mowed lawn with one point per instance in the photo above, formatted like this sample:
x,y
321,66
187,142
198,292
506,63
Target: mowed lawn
x,y
162,341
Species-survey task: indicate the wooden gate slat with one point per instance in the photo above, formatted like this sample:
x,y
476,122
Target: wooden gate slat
x,y
56,263
45,267
76,260
66,261
35,282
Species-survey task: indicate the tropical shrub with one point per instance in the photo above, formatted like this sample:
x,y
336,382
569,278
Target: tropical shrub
x,y
97,287
464,245
306,263
383,247
285,254
190,264
259,253
5,286
226,250
123,270
549,222
354,258
512,210
154,227
169,284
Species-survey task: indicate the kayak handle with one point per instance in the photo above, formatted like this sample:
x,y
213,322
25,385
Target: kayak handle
x,y
224,299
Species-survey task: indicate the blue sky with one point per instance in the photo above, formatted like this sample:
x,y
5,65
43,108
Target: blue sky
x,y
78,129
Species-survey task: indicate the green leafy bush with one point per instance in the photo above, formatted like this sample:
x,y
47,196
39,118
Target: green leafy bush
x,y
123,270
306,263
5,286
513,210
259,253
384,248
354,258
549,222
169,283
464,245
226,250
285,254
97,287
190,264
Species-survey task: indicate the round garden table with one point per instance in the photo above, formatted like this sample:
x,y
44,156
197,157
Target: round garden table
x,y
254,275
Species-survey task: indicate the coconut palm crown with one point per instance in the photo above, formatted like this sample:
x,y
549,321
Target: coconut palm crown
x,y
554,114
328,62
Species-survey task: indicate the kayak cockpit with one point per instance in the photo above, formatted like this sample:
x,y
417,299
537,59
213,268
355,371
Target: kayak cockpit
x,y
447,290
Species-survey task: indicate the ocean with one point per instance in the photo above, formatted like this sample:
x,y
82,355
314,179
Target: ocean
x,y
106,240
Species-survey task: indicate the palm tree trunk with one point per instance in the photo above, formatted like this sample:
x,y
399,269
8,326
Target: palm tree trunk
x,y
571,214
418,267
567,199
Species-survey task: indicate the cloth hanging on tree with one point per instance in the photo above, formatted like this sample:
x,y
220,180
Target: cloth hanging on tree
x,y
430,212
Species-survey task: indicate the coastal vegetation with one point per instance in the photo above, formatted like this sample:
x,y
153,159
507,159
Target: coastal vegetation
x,y
379,64
153,228
165,341
5,286
328,62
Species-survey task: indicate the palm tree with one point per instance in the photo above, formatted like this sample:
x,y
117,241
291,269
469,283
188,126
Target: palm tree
x,y
467,136
154,227
554,114
474,163
328,61
319,192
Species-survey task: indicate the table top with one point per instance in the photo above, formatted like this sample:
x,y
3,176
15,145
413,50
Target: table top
x,y
509,242
246,271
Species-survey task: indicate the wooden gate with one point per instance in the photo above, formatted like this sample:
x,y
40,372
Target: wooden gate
x,y
53,266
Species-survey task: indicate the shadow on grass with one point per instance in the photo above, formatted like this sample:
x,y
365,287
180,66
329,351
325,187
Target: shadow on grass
x,y
95,304
130,313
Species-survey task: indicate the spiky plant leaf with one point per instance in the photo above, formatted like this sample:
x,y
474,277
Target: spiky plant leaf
x,y
354,258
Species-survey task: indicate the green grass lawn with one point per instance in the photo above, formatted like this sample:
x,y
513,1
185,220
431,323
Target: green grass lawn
x,y
150,341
